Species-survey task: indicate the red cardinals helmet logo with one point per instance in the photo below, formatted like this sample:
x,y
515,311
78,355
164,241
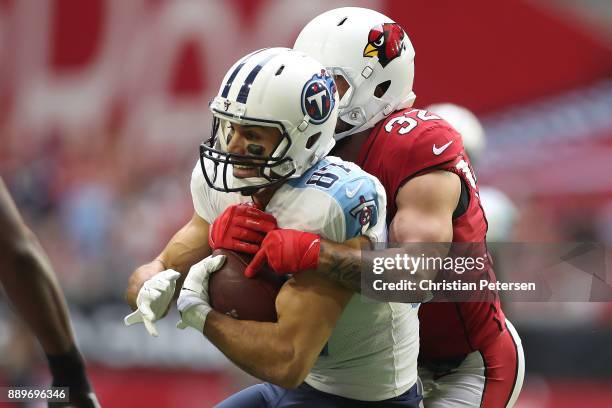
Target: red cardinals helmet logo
x,y
385,41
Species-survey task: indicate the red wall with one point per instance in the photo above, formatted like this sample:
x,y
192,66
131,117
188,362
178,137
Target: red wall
x,y
488,54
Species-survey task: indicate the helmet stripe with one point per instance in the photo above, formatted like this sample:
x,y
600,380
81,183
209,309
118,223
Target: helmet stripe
x,y
230,80
246,86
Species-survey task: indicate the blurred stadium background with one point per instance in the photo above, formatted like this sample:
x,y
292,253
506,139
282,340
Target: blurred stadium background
x,y
103,104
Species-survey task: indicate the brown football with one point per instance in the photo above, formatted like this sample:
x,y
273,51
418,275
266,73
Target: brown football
x,y
243,298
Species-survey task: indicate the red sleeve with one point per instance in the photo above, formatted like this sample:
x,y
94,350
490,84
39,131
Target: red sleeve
x,y
408,143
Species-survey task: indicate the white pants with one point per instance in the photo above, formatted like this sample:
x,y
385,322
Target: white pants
x,y
489,378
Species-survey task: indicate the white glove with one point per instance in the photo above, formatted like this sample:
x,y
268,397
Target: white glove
x,y
153,300
193,301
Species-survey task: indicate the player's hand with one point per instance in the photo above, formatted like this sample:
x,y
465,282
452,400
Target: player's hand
x,y
193,301
286,251
241,228
153,300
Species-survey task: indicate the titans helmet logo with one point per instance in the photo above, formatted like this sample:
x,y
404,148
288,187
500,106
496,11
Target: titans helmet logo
x,y
318,97
385,41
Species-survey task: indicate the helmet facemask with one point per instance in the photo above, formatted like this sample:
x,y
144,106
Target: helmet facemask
x,y
371,82
271,170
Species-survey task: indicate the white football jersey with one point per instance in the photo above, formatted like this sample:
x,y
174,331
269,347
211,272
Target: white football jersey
x,y
371,354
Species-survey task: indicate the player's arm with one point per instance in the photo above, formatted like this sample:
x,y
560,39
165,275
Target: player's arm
x,y
151,287
188,246
30,284
341,262
33,290
362,217
308,307
425,206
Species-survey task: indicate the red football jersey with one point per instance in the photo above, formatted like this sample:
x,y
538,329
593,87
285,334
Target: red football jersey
x,y
413,142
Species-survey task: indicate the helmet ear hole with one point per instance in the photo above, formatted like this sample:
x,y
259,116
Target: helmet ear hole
x,y
381,89
312,140
342,84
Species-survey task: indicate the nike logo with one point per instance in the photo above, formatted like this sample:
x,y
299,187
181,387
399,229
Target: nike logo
x,y
439,150
351,193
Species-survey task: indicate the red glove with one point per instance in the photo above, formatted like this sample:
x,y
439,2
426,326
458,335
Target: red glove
x,y
240,228
286,251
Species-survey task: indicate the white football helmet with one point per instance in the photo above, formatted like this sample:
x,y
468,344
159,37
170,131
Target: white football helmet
x,y
276,87
466,123
369,50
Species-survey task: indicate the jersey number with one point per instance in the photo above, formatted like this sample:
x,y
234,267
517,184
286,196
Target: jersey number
x,y
469,174
324,177
406,123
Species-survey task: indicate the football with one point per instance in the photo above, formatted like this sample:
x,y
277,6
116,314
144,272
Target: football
x,y
244,298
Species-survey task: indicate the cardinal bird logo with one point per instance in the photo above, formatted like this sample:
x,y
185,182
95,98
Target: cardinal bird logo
x,y
385,41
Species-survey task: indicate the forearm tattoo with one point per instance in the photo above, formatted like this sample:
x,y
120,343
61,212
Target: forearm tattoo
x,y
341,266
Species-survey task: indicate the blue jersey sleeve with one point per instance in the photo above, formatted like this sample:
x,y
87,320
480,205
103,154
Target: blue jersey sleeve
x,y
359,201
359,198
